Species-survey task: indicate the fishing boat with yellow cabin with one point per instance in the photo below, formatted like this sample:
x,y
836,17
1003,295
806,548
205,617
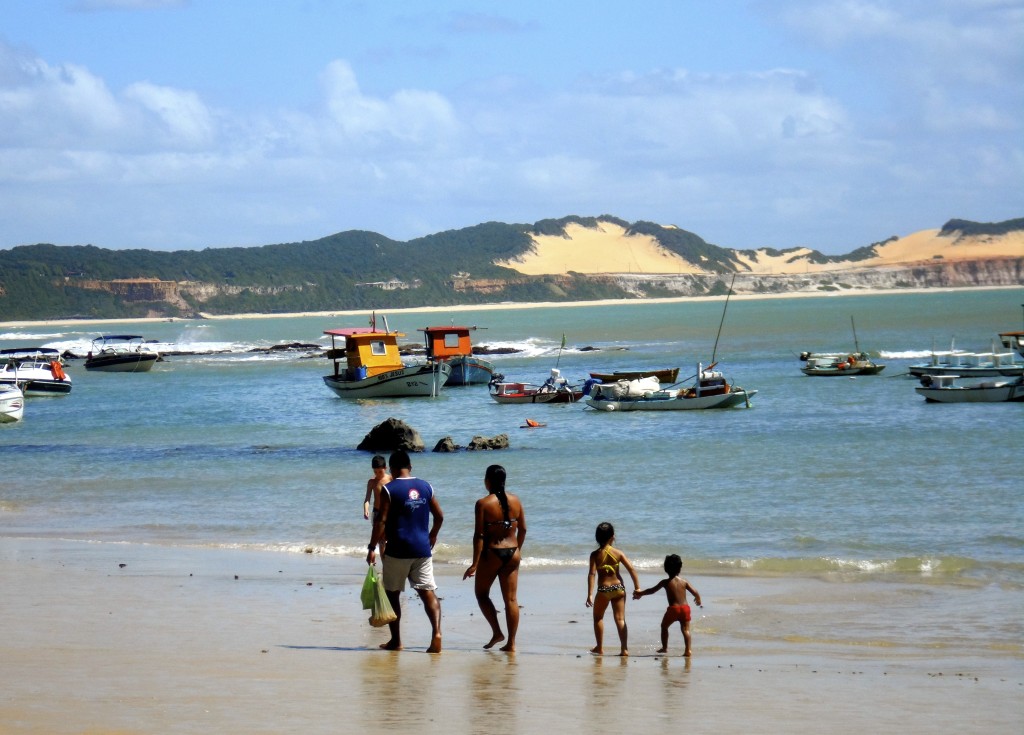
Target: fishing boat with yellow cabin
x,y
374,368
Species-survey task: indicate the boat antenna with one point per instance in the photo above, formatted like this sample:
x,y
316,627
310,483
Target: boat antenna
x,y
715,350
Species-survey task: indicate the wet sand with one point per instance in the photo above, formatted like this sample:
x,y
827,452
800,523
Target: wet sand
x,y
229,641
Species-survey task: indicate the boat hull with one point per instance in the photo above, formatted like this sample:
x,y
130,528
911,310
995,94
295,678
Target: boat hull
x,y
666,375
415,380
539,397
989,371
987,392
137,362
12,404
470,370
677,403
42,387
826,371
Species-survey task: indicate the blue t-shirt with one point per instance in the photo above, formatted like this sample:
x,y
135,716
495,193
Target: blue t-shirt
x,y
407,527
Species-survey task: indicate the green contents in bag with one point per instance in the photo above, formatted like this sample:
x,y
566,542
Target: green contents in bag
x,y
369,583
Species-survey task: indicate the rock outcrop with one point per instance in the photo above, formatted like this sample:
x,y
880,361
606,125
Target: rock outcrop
x,y
392,434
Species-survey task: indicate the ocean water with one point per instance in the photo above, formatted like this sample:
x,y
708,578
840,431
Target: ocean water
x,y
848,480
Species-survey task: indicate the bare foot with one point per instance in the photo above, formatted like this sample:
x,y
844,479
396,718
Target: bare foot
x,y
508,648
623,652
662,650
687,654
496,638
597,651
391,645
435,645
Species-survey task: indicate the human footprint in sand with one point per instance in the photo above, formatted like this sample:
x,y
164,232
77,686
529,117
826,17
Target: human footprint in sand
x,y
497,550
678,611
409,518
604,568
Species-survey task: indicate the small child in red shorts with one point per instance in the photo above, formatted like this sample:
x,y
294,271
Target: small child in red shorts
x,y
678,611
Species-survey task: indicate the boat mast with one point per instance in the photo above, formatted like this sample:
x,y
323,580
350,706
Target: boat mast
x,y
714,351
856,344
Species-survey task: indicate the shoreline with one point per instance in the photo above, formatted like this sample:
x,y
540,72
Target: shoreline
x,y
151,639
507,306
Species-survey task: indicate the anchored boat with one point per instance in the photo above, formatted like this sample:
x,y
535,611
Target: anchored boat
x,y
711,390
39,371
452,345
120,353
374,367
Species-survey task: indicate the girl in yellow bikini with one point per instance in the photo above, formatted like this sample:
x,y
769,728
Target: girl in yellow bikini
x,y
604,569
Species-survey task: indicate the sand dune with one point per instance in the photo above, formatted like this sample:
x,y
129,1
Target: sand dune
x,y
609,248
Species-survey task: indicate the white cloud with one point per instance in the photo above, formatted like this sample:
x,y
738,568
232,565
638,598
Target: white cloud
x,y
413,117
181,114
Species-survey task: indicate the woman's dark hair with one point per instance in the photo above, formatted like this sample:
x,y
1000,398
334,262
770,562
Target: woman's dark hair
x,y
378,462
495,477
605,532
673,565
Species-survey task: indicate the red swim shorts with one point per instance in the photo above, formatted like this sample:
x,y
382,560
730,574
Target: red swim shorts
x,y
676,613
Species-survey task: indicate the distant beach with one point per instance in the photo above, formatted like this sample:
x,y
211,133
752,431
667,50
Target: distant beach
x,y
508,306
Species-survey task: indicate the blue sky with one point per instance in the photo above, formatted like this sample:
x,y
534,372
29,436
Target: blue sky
x,y
183,124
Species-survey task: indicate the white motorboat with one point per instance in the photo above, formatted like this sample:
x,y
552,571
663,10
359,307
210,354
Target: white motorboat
x,y
943,389
39,371
374,367
710,390
120,353
12,403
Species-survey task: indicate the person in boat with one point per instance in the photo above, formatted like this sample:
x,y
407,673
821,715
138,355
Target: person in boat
x,y
410,518
497,551
605,564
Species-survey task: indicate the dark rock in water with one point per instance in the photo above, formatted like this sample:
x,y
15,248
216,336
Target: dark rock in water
x,y
488,442
303,346
446,445
392,434
487,350
590,348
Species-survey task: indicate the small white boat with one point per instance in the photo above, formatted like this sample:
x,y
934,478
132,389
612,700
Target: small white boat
x,y
374,367
555,389
943,389
839,364
120,353
711,390
12,403
39,371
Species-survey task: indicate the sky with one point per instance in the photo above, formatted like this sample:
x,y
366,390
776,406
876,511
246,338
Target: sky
x,y
188,124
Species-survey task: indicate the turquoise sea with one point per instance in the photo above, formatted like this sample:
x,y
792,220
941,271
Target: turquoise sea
x,y
849,480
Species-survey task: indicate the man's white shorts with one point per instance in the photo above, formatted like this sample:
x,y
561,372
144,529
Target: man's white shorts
x,y
419,572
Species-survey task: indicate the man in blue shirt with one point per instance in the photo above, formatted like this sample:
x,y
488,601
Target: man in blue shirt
x,y
409,519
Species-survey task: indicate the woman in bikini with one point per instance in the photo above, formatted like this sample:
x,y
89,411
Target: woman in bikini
x,y
497,550
604,568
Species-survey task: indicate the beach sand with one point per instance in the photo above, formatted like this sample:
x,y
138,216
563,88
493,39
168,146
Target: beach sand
x,y
183,640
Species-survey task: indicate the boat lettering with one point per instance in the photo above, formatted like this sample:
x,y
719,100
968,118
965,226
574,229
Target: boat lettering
x,y
388,376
